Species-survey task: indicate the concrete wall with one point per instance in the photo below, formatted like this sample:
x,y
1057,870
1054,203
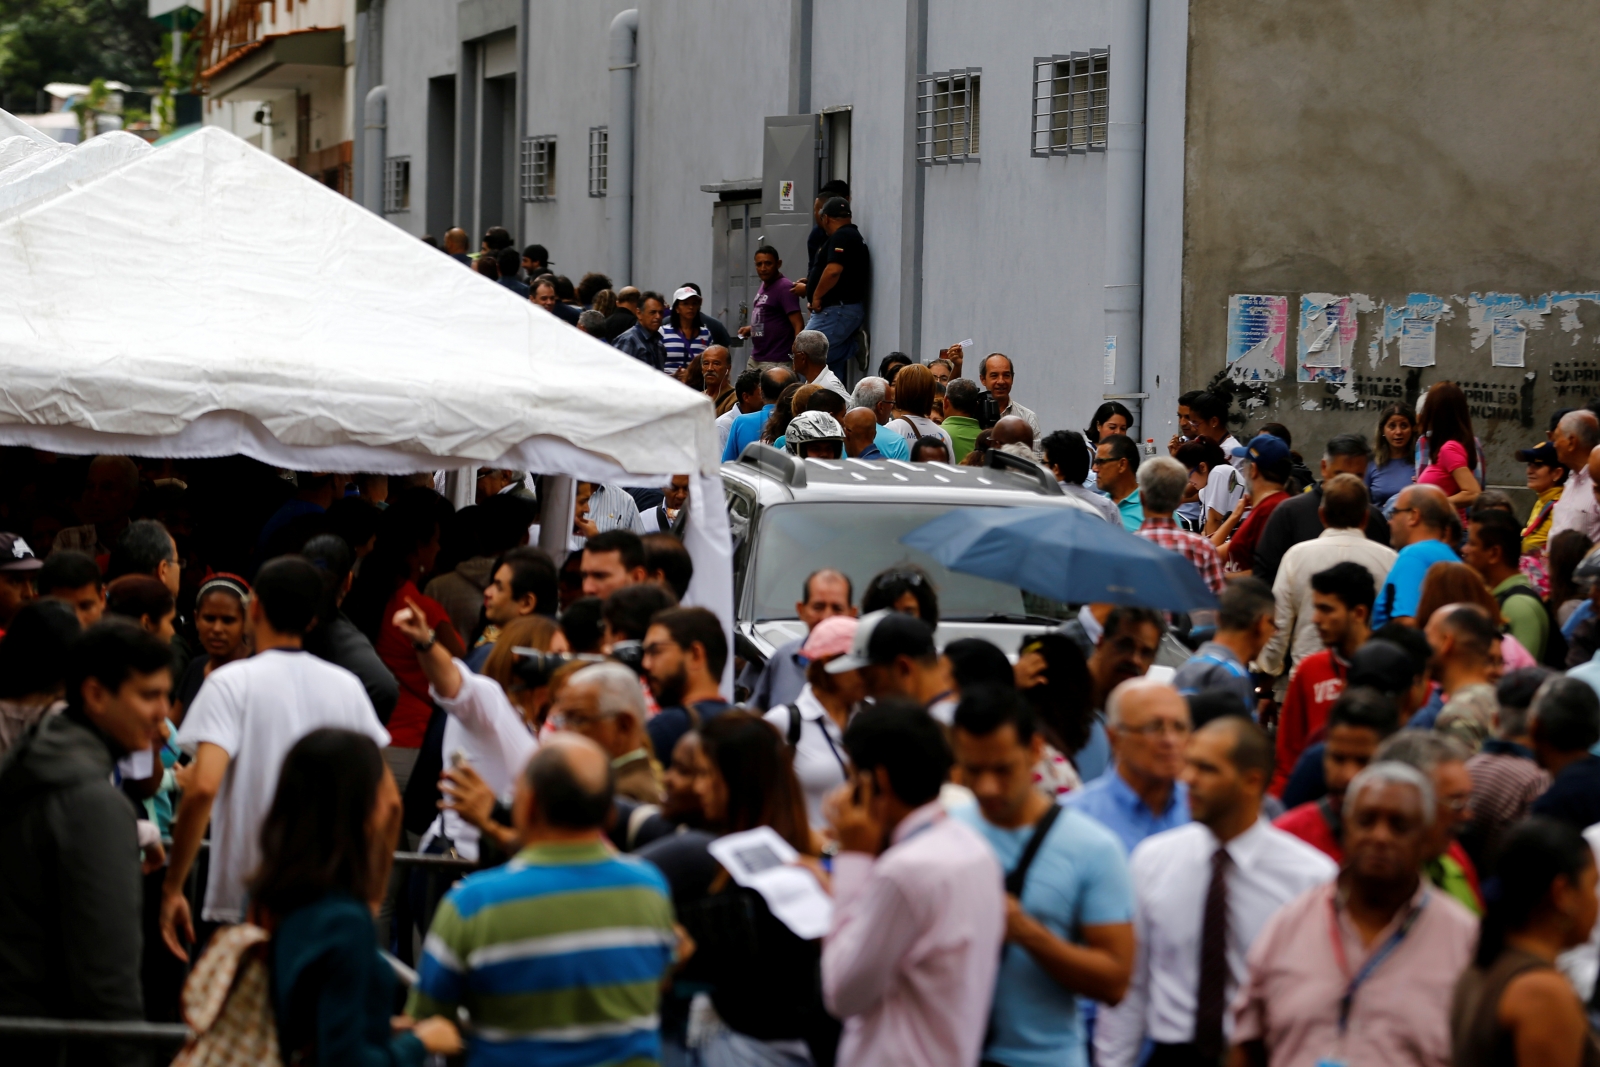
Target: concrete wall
x,y
419,42
1386,150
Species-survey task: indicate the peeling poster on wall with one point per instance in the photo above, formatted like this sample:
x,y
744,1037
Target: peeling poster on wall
x,y
1327,337
1507,345
1258,330
1416,342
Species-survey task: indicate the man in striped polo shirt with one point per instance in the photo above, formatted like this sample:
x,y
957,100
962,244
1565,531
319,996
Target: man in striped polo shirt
x,y
558,956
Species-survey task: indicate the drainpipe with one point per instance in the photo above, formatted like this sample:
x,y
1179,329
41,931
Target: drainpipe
x,y
373,147
622,60
1124,266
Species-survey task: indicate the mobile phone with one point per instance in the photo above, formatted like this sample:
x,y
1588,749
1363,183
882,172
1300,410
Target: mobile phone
x,y
457,758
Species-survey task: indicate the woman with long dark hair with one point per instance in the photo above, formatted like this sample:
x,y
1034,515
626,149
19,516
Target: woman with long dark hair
x,y
783,413
219,610
1054,677
764,981
1110,419
1444,426
392,575
905,588
1513,1008
326,848
1394,454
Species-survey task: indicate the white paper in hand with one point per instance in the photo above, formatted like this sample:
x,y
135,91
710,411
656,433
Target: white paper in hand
x,y
761,860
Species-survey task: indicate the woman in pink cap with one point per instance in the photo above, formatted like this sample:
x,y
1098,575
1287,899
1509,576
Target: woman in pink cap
x,y
814,724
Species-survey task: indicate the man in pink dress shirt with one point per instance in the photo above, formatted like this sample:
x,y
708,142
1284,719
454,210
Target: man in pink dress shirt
x,y
919,902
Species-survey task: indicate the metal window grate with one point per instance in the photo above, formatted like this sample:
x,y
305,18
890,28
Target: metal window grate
x,y
599,158
1070,100
948,109
538,168
396,184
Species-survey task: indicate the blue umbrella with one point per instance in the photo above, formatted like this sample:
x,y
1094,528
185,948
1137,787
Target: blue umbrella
x,y
1063,554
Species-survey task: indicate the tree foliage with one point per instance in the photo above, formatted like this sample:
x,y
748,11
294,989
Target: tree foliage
x,y
44,41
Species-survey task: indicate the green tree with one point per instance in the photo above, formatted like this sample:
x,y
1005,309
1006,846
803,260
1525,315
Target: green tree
x,y
43,41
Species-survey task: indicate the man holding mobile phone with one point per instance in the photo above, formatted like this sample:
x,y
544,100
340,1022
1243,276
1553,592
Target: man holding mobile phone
x,y
920,912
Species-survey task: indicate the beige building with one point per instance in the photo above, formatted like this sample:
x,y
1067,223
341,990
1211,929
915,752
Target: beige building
x,y
281,74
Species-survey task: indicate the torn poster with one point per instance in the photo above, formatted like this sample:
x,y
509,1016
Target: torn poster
x,y
1327,337
1258,330
1507,345
1416,342
1109,369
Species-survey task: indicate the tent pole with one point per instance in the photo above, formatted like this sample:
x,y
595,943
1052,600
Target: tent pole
x,y
556,495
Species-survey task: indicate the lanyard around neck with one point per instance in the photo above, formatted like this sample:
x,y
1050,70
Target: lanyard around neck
x,y
1381,953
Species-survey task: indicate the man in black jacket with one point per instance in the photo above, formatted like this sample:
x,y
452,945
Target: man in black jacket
x,y
70,940
337,640
1299,519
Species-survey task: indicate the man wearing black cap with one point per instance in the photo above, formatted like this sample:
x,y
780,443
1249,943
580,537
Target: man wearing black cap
x,y
837,285
18,566
896,657
1548,478
535,261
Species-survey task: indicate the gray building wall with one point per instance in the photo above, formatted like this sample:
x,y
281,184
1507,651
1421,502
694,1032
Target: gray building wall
x,y
1012,245
1388,150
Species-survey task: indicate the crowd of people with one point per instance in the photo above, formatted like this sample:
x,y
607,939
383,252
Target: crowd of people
x,y
1344,818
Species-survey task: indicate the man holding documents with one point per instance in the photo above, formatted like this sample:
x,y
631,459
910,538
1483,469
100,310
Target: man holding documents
x,y
919,912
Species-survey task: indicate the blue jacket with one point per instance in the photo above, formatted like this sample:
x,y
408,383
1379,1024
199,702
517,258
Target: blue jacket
x,y
645,346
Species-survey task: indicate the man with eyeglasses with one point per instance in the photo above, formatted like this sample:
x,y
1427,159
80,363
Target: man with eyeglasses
x,y
1420,529
1147,724
684,652
1127,647
1443,760
1116,468
605,704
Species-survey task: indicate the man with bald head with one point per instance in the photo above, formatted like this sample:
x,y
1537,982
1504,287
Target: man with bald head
x,y
626,316
610,914
1193,941
1147,724
715,366
826,593
1011,430
455,245
860,434
1575,439
1466,663
1421,528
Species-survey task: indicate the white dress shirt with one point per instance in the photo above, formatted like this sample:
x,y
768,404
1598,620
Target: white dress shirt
x,y
610,508
1292,588
725,426
1171,873
1026,415
1577,508
819,759
490,734
911,960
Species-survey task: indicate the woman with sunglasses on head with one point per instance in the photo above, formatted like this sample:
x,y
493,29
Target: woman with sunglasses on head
x,y
905,589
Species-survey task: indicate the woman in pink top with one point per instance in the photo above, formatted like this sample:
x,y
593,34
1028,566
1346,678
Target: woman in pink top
x,y
1447,425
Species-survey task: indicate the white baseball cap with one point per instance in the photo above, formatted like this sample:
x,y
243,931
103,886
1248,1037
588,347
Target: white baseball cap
x,y
686,293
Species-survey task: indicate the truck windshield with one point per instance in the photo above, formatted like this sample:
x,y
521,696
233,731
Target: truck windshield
x,y
862,540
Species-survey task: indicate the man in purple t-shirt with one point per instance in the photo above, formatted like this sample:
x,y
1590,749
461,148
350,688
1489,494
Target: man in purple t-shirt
x,y
775,314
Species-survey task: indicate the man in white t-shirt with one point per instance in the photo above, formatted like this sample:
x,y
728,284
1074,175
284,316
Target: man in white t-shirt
x,y
244,720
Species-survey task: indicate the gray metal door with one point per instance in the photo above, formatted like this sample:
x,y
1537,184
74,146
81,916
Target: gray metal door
x,y
735,225
788,187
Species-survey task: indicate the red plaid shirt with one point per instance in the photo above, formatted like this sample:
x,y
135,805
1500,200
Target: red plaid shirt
x,y
1191,546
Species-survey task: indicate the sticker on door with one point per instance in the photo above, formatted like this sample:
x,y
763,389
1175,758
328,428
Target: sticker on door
x,y
786,196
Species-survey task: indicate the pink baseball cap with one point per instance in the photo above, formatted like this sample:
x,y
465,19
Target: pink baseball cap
x,y
830,637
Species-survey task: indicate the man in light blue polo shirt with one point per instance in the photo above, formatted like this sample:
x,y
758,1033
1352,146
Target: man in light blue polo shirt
x,y
1147,723
747,428
1069,904
1419,528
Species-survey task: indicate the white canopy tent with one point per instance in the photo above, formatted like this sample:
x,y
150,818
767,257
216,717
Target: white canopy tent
x,y
256,311
50,174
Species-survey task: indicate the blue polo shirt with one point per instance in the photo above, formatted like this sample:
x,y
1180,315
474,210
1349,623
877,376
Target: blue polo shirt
x,y
1403,587
1079,878
745,429
1112,803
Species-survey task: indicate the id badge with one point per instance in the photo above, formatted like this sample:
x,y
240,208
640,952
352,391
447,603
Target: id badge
x,y
758,326
1332,1063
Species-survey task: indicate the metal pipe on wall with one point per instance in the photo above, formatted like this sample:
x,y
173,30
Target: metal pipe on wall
x,y
374,146
622,59
1124,263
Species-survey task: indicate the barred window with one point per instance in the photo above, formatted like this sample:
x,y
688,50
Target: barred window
x,y
948,116
599,153
538,168
396,184
1070,96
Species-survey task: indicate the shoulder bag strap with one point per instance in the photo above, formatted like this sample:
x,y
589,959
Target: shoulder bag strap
x,y
791,733
1018,876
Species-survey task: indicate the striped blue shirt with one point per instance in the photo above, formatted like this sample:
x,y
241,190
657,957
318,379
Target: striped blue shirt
x,y
558,958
